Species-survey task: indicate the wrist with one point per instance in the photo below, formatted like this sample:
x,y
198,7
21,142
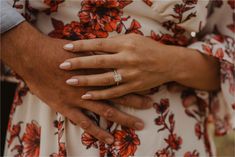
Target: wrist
x,y
20,46
179,70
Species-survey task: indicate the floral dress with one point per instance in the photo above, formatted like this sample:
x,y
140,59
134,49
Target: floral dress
x,y
177,124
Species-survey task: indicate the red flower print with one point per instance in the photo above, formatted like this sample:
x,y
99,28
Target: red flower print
x,y
231,3
62,151
74,31
19,149
162,106
218,3
193,154
16,5
31,139
231,27
207,49
59,26
190,2
219,38
89,140
169,39
163,153
233,106
174,142
148,2
159,120
53,5
126,142
221,128
134,28
104,15
189,100
179,8
198,130
14,132
219,53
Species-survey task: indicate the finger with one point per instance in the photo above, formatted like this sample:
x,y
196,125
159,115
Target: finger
x,y
104,79
109,93
87,125
112,114
105,45
135,101
95,62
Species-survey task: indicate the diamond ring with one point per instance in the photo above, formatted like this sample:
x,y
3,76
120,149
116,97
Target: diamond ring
x,y
117,77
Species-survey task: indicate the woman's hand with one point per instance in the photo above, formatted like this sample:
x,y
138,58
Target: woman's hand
x,y
142,62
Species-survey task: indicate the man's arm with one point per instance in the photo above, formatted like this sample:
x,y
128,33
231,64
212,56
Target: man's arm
x,y
9,17
36,58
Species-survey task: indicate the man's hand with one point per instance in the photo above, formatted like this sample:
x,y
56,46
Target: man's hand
x,y
36,59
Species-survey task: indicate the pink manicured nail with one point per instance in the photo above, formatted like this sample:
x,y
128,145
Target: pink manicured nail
x,y
87,96
72,81
65,65
68,46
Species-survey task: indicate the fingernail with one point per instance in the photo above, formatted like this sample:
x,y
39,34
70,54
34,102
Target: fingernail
x,y
109,140
65,65
72,81
139,125
68,46
87,96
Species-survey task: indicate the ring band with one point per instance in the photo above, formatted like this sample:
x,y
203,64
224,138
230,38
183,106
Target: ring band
x,y
117,77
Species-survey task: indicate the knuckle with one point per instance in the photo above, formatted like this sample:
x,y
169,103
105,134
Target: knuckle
x,y
144,103
112,94
99,61
78,45
74,63
99,44
137,84
129,122
124,100
85,125
96,133
108,112
84,81
132,61
131,45
107,80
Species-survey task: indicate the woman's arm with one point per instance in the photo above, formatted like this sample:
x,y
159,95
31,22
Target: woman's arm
x,y
143,64
196,70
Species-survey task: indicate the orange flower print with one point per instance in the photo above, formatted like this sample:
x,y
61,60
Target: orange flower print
x,y
174,142
162,153
207,49
53,5
192,154
89,140
231,3
126,142
162,107
134,28
219,53
148,2
104,15
14,132
31,139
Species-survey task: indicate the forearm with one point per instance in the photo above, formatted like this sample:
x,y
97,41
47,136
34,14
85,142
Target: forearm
x,y
26,51
16,45
196,70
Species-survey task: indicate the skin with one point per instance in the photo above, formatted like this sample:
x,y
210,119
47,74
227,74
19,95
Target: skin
x,y
36,57
143,63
